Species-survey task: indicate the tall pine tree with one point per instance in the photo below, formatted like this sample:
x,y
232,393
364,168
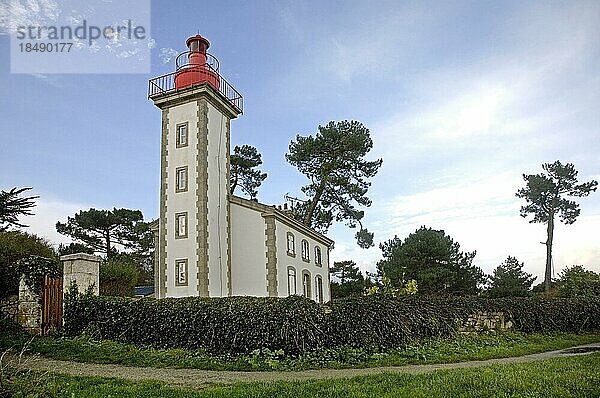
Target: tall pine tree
x,y
547,196
334,162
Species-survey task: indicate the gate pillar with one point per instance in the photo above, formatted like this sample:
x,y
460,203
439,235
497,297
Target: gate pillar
x,y
83,269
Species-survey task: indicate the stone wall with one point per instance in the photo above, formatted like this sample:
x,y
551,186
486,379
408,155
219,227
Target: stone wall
x,y
26,308
486,321
10,306
30,309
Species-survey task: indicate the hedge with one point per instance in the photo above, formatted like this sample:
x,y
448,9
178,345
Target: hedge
x,y
218,325
298,325
381,322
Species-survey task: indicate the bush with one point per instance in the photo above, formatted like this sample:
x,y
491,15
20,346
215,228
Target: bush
x,y
118,279
380,321
539,314
297,325
9,327
34,268
218,325
576,281
15,246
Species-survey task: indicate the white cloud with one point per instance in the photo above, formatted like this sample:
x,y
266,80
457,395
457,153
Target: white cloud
x,y
127,54
466,128
481,214
47,212
474,113
166,54
511,96
15,13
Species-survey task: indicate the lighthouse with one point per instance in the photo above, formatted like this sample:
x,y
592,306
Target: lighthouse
x,y
193,244
209,242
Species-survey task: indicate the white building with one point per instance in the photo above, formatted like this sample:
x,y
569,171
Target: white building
x,y
210,243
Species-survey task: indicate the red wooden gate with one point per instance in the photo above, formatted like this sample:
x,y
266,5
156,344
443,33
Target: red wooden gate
x,y
52,304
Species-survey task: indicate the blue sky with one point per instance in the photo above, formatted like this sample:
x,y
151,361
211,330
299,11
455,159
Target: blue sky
x,y
461,98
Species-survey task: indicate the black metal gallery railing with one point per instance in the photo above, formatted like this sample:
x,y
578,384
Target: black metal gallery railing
x,y
166,84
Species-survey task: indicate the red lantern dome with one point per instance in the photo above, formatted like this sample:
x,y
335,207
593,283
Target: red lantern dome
x,y
196,66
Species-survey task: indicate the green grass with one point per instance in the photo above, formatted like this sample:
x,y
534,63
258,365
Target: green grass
x,y
461,348
560,377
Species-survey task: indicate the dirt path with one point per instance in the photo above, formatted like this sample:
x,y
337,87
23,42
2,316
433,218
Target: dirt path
x,y
202,378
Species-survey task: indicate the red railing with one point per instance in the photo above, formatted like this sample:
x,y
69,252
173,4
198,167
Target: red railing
x,y
166,84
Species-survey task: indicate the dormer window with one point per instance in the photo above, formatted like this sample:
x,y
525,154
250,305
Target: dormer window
x,y
305,251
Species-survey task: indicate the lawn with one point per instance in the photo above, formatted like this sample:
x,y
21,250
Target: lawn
x,y
461,348
561,377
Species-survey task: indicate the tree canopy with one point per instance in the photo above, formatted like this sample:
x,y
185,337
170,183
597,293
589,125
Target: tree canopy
x,y
434,260
576,281
118,279
509,280
244,172
14,247
105,231
73,248
334,162
547,195
12,206
347,280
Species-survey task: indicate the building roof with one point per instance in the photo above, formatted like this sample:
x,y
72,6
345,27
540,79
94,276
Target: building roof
x,y
153,225
144,291
272,211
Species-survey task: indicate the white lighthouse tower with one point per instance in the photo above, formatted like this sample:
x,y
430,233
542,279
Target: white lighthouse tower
x,y
193,251
210,243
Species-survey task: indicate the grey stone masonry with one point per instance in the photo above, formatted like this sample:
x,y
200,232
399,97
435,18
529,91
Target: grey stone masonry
x,y
9,306
30,309
271,254
486,321
83,269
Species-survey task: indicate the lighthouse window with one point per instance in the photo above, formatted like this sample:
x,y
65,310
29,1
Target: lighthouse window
x,y
181,271
181,225
181,176
182,135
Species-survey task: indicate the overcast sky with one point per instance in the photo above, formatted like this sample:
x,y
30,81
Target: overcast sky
x,y
461,98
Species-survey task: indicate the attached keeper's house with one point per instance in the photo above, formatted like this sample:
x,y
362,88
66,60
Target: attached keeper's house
x,y
210,243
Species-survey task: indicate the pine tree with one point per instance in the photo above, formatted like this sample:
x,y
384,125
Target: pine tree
x,y
334,162
509,280
547,196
